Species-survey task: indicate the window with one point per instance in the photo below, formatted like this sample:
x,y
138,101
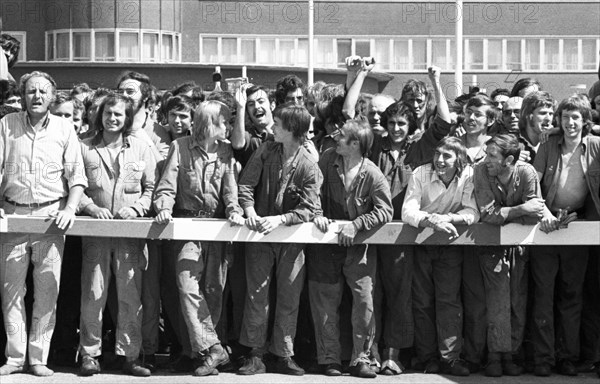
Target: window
x,y
129,49
105,46
400,55
287,52
570,54
382,54
474,59
210,50
22,38
532,54
419,53
494,55
266,51
439,54
513,55
229,50
248,54
344,49
302,58
551,54
362,48
151,50
50,47
168,49
62,46
82,46
324,52
588,53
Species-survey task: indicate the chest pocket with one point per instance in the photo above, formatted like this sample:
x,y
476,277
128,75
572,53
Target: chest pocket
x,y
190,180
132,176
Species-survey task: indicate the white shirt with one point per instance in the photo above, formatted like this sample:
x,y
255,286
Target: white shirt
x,y
426,193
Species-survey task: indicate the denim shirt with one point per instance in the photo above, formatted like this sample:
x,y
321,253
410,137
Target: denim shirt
x,y
192,182
548,164
414,154
369,201
295,194
491,196
127,183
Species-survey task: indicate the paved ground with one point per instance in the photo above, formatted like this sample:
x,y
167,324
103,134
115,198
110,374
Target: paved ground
x,y
70,376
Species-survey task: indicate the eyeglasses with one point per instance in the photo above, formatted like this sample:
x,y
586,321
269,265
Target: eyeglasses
x,y
336,133
509,112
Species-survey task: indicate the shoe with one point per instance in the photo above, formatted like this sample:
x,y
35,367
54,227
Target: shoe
x,y
89,366
333,369
215,357
473,367
8,369
566,367
455,368
287,366
134,368
182,365
493,368
432,366
586,366
509,368
149,361
362,370
542,369
252,366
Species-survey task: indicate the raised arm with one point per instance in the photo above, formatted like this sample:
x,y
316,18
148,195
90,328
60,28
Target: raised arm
x,y
357,71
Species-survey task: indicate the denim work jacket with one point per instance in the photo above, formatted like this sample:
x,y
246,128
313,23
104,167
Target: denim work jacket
x,y
414,154
294,195
369,202
194,183
548,163
491,196
127,183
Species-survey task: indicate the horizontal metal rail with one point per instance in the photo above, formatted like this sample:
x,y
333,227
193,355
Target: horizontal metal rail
x,y
578,233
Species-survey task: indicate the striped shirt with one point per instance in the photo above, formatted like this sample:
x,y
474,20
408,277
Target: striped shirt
x,y
42,166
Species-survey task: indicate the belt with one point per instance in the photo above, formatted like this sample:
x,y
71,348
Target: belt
x,y
191,213
32,205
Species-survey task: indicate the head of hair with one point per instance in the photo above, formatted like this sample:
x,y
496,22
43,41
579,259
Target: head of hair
x,y
498,92
457,146
28,76
113,99
531,102
579,103
224,97
481,100
400,108
206,117
179,103
415,87
294,119
8,88
524,83
508,144
286,85
359,130
61,98
329,107
197,93
77,105
145,85
12,45
594,92
81,88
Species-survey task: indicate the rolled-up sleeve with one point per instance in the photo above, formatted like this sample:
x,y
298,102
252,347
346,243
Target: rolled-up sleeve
x,y
74,170
469,211
166,189
490,209
411,209
230,188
